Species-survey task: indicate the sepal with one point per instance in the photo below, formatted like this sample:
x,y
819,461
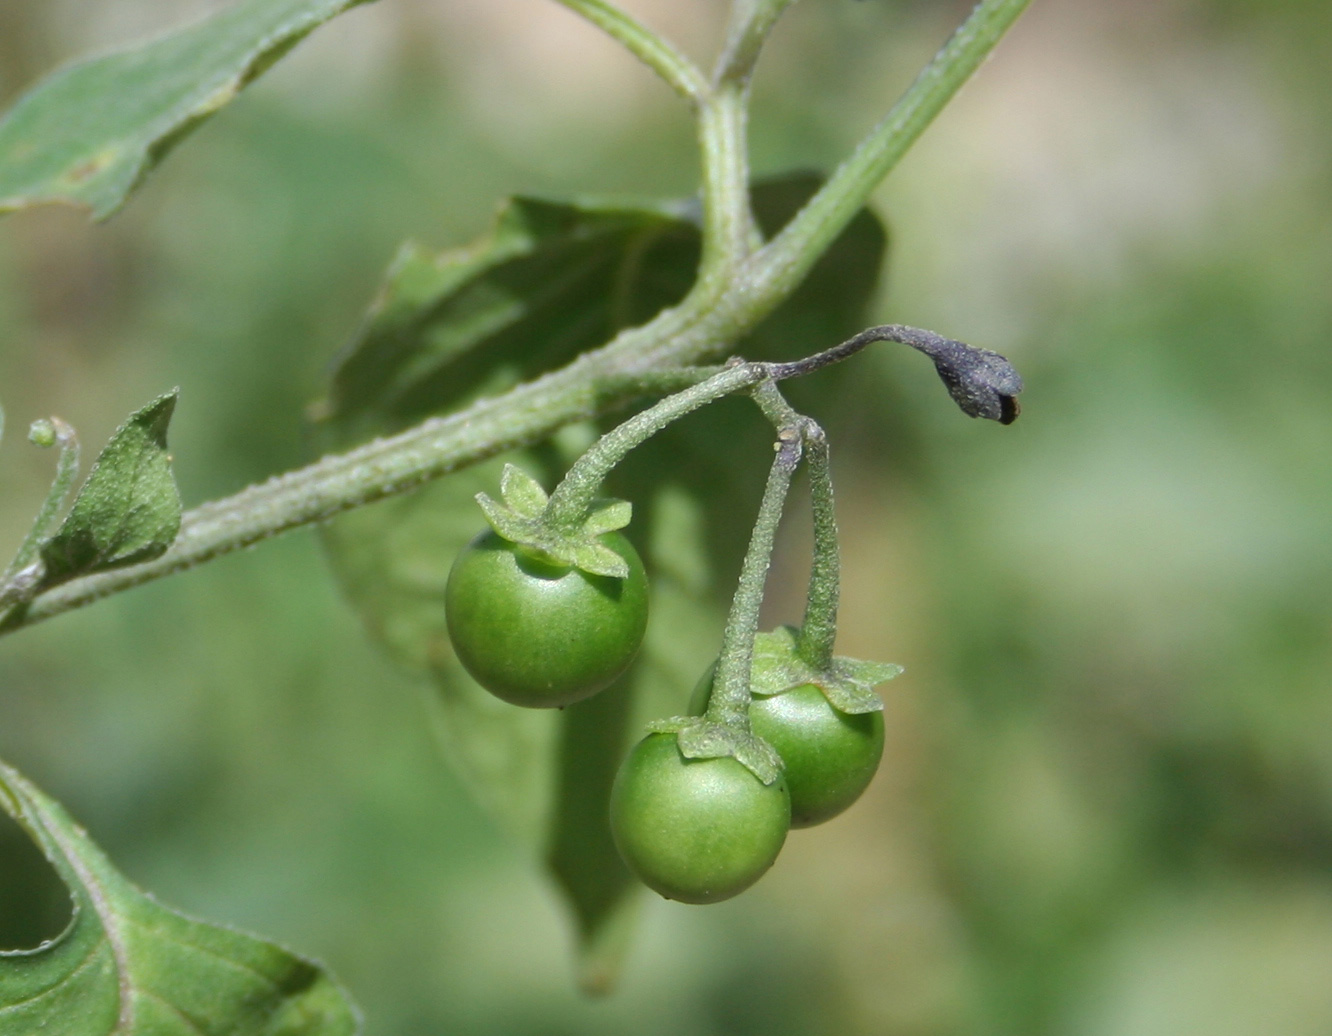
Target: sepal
x,y
521,492
700,739
848,683
521,519
608,516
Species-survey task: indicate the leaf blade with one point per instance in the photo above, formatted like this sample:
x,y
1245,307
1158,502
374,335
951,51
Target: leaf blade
x,y
90,132
125,961
128,510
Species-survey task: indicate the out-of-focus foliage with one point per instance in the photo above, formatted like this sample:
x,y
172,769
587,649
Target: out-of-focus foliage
x,y
90,132
1106,804
127,962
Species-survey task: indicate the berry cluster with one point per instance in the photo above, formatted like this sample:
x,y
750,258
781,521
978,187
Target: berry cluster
x,y
549,606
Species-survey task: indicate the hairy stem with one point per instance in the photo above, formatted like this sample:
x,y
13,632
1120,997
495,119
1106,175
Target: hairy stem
x,y
818,632
729,705
729,234
571,499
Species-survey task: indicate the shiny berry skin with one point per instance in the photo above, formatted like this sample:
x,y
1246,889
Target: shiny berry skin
x,y
695,830
540,634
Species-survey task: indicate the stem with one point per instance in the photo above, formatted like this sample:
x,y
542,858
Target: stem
x,y
571,500
787,258
19,580
729,705
679,73
818,632
729,234
751,22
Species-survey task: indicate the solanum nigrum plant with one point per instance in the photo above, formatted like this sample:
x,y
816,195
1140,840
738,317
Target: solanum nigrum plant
x,y
565,313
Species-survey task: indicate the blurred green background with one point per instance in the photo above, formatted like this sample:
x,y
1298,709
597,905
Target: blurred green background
x,y
1106,804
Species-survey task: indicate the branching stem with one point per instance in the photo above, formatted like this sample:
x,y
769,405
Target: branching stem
x,y
737,288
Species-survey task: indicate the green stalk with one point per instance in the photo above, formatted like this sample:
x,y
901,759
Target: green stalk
x,y
783,263
679,73
571,500
751,22
818,631
729,705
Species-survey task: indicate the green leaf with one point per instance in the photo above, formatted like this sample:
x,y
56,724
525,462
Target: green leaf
x,y
127,964
549,281
128,510
89,133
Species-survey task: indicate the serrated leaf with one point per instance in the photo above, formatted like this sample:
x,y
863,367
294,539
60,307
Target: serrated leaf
x,y
89,133
127,964
522,492
128,510
609,517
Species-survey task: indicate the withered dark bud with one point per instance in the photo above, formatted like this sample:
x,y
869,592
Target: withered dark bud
x,y
982,383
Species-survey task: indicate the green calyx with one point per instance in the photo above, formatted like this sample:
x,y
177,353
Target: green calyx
x,y
523,519
847,683
700,738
